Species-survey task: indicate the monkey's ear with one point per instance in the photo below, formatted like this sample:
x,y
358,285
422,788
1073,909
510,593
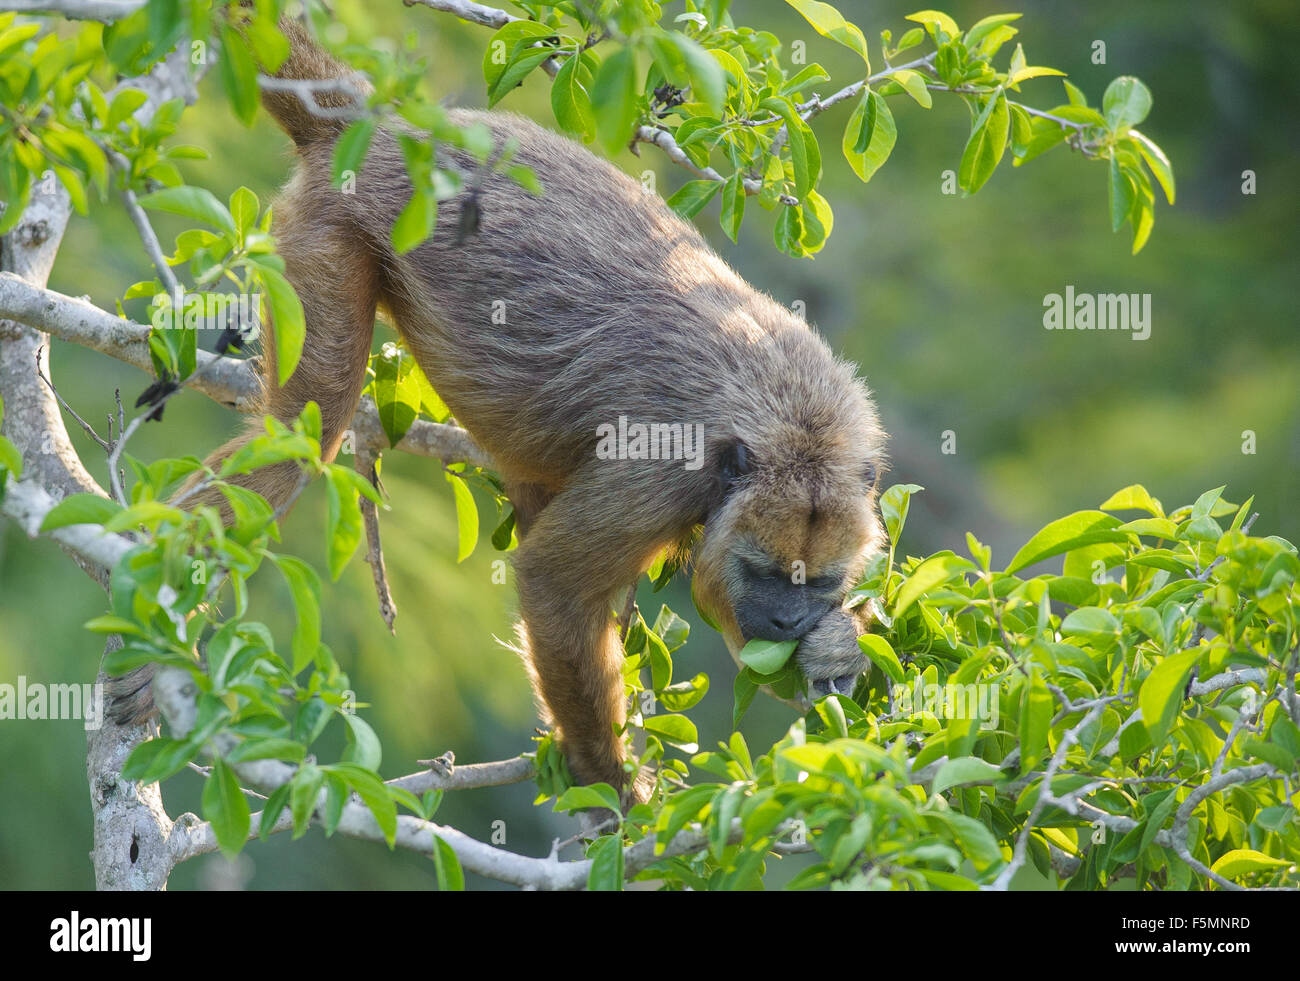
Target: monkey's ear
x,y
736,462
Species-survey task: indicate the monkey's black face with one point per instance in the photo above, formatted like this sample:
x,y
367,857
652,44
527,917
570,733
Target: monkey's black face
x,y
774,603
781,548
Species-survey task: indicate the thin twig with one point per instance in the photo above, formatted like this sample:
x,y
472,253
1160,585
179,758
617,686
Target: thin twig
x,y
366,464
104,444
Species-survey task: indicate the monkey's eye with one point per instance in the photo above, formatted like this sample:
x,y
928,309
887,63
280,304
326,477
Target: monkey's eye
x,y
736,462
870,474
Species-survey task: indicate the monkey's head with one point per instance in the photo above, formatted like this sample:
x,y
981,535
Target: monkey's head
x,y
794,525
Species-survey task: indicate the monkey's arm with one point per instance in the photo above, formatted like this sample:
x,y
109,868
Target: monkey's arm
x,y
573,567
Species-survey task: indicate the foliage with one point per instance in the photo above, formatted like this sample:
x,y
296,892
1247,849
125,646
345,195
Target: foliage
x,y
987,686
729,94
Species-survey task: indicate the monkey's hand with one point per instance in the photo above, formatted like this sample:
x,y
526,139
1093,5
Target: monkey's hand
x,y
829,655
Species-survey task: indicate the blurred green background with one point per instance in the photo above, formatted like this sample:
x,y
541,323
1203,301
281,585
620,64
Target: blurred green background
x,y
938,298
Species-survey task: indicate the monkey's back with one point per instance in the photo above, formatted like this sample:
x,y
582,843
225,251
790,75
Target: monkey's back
x,y
592,300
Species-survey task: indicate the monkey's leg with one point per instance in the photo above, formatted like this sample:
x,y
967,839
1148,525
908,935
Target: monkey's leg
x,y
573,566
528,501
334,276
336,282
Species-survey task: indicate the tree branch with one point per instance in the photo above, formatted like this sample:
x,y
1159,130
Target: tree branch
x,y
229,381
105,11
175,694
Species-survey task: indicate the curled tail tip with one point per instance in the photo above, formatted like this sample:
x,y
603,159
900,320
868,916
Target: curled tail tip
x,y
308,112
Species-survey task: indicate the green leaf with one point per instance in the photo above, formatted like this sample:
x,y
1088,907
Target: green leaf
x,y
1074,94
788,231
1271,753
451,877
397,391
914,84
10,460
1031,71
964,769
343,529
1036,710
744,689
804,154
830,23
894,504
571,99
244,208
506,53
976,841
675,729
1022,131
988,140
192,202
520,66
882,655
936,19
767,656
1161,695
363,746
289,319
733,206
671,628
661,664
1090,620
934,571
112,625
1157,161
157,759
374,795
1068,533
606,873
983,28
416,222
708,81
271,811
466,516
270,748
1120,191
350,151
226,808
1204,506
1134,497
685,694
592,795
692,196
616,99
80,509
303,794
870,135
1240,861
1125,103
1134,740
239,74
304,585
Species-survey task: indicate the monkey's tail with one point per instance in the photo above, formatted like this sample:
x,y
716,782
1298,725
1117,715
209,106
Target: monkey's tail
x,y
314,110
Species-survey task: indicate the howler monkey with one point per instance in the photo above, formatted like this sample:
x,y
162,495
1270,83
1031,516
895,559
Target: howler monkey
x,y
609,307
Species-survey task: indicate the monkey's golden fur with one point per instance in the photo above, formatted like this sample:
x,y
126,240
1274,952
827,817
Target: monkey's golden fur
x,y
613,306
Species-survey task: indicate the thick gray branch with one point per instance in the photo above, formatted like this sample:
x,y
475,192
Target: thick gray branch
x,y
100,10
229,381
